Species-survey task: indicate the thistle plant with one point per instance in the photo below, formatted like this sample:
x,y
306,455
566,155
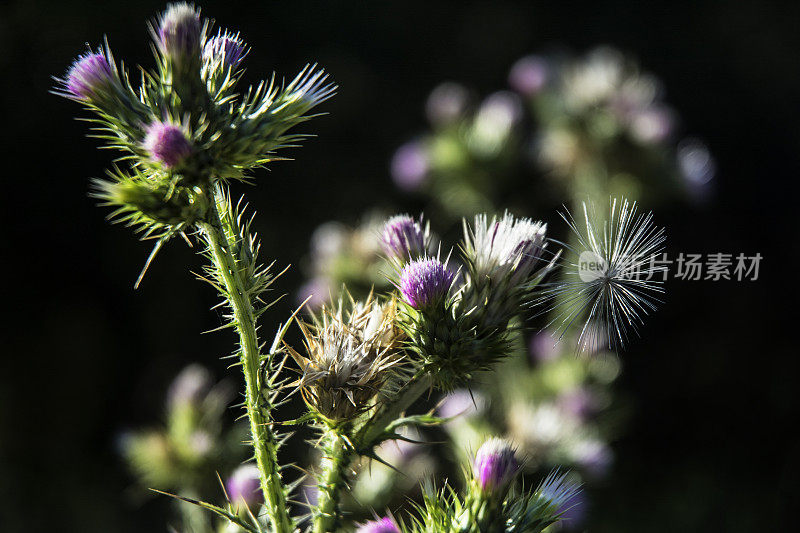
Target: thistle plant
x,y
186,135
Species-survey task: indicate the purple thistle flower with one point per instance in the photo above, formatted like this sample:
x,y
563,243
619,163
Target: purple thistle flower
x,y
383,525
88,75
403,238
179,31
425,282
409,166
167,144
225,48
495,464
244,485
528,75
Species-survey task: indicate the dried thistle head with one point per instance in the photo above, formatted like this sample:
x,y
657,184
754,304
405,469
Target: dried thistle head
x,y
351,355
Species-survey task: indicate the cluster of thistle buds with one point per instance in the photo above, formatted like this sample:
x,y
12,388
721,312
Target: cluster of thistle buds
x,y
457,318
451,322
188,126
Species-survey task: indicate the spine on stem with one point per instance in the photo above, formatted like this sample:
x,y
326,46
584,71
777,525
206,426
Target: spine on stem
x,y
221,238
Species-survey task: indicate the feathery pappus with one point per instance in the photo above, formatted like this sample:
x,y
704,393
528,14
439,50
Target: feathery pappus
x,y
612,278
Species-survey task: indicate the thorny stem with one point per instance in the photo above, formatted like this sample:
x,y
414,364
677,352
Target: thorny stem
x,y
390,410
337,457
264,441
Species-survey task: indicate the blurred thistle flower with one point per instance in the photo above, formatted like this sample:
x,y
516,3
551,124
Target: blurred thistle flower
x,y
446,104
529,75
594,79
167,143
653,124
495,465
558,490
351,356
179,31
497,116
425,283
404,238
578,402
505,249
315,292
611,281
328,240
542,347
697,167
409,166
462,404
225,49
382,525
189,387
244,485
88,76
593,456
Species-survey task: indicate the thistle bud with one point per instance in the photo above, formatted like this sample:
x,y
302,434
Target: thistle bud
x,y
404,238
179,31
225,50
89,75
384,525
167,144
244,485
425,282
495,465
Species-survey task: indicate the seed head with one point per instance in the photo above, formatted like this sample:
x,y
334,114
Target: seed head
x,y
167,144
495,465
425,282
351,356
404,238
613,279
88,76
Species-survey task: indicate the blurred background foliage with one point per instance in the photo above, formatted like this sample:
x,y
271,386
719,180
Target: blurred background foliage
x,y
709,444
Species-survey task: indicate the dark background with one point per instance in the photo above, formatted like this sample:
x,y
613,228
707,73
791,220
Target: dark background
x,y
711,446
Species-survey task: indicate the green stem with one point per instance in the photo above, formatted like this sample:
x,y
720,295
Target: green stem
x,y
390,410
337,456
264,441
